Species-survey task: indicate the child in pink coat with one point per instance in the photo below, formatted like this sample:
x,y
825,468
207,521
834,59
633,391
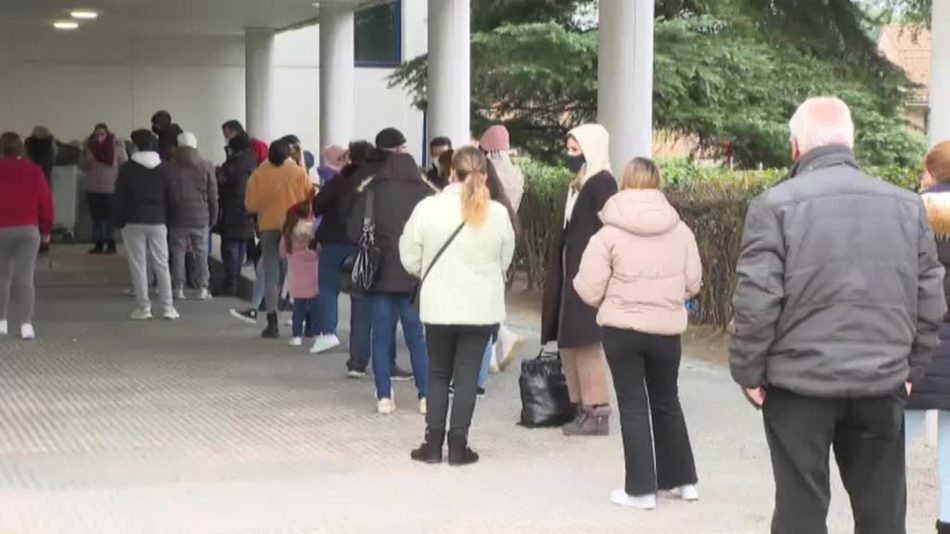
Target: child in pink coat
x,y
302,269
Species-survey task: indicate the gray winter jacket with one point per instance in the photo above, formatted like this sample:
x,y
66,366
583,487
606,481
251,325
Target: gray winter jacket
x,y
194,201
840,292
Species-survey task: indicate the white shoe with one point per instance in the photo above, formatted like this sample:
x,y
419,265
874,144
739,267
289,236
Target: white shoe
x,y
141,315
355,375
4,328
27,332
171,314
643,502
204,294
423,406
385,407
180,294
689,492
296,342
324,343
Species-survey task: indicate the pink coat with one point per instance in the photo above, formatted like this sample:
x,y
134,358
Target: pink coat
x,y
642,266
302,270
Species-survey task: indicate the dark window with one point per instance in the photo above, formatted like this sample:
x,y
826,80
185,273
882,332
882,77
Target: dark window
x,y
379,35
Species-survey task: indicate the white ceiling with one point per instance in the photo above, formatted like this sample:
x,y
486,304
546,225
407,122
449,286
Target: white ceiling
x,y
215,17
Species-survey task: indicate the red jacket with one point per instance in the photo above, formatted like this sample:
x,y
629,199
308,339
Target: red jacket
x,y
260,150
25,197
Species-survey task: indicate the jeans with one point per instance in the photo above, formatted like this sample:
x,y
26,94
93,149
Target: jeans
x,y
331,257
867,435
100,209
386,310
19,246
456,353
305,309
361,330
180,239
147,246
914,422
656,448
270,260
232,255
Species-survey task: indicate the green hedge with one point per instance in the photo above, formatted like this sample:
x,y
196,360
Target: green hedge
x,y
711,200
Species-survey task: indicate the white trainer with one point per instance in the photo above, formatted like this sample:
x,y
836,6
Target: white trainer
x,y
180,294
171,314
204,294
27,332
689,492
643,502
323,343
141,315
296,342
385,407
423,406
4,328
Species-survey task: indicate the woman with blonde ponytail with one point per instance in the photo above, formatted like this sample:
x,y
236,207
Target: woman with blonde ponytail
x,y
459,243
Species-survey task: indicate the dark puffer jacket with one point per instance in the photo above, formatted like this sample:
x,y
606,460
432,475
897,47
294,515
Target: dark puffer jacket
x,y
933,391
194,202
235,222
840,291
397,187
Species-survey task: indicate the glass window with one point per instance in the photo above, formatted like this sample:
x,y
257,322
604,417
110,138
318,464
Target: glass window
x,y
378,35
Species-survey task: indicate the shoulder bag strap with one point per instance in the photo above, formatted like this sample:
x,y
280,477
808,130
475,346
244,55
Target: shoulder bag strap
x,y
368,211
441,251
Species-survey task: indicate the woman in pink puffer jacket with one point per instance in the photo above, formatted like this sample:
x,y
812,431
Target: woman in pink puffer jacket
x,y
638,271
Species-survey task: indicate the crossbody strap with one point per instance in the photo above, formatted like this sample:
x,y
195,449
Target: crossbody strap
x,y
441,251
368,212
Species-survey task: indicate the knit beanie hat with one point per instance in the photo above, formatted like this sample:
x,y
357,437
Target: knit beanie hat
x,y
390,139
495,139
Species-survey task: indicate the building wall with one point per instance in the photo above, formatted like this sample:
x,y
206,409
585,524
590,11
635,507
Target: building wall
x,y
71,81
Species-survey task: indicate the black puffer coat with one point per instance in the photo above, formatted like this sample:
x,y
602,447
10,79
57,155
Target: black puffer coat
x,y
235,221
398,187
933,391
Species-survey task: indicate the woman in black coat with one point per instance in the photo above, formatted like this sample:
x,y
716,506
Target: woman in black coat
x,y
933,391
565,318
235,225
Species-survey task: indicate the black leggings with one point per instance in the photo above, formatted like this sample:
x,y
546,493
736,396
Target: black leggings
x,y
455,355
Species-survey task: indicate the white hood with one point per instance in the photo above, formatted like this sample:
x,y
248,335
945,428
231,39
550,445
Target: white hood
x,y
595,144
149,160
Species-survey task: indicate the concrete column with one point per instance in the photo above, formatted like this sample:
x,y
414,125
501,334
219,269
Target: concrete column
x,y
625,78
449,89
259,81
337,75
940,73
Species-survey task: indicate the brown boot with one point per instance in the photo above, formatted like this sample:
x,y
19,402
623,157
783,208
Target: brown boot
x,y
591,421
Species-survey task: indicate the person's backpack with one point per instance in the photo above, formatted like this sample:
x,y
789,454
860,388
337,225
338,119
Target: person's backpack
x,y
358,271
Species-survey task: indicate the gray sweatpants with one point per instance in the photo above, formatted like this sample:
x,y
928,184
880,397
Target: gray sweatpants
x,y
19,246
147,245
270,257
180,238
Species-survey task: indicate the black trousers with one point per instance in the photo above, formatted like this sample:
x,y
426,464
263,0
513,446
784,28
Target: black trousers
x,y
867,436
232,254
455,356
645,369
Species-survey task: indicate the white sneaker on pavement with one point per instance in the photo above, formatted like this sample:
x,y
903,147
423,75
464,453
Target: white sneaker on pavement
x,y
4,328
204,294
296,342
171,314
26,332
324,343
385,407
180,294
690,492
423,406
643,502
141,315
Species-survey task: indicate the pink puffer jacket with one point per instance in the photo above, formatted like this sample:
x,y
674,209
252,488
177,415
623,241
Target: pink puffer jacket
x,y
642,266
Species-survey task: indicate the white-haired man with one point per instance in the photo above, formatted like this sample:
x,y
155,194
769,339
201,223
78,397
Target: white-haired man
x,y
838,304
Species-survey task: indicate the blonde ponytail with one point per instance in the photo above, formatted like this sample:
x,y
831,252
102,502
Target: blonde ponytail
x,y
471,168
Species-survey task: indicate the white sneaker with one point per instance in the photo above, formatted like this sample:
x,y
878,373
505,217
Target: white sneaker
x,y
171,314
204,294
423,406
385,407
27,332
296,342
643,502
689,492
180,294
141,315
324,343
355,375
4,328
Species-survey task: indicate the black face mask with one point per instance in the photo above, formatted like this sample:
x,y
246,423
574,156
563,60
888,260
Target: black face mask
x,y
575,163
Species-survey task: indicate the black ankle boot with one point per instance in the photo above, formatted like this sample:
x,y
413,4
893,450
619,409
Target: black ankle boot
x,y
430,451
459,453
110,247
97,249
943,528
272,331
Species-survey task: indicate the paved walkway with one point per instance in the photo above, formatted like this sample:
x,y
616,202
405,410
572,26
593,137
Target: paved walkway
x,y
199,426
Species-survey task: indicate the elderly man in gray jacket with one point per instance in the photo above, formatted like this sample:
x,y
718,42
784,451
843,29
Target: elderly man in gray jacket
x,y
838,304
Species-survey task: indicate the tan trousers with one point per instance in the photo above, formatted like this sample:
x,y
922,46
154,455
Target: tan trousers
x,y
587,375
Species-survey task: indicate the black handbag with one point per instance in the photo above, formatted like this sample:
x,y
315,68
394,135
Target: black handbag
x,y
544,398
358,271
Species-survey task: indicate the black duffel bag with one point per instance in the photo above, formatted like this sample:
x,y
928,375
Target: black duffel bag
x,y
544,398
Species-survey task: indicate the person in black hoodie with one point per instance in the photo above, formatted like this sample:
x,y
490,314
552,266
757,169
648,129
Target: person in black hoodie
x,y
140,204
167,132
236,225
396,189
